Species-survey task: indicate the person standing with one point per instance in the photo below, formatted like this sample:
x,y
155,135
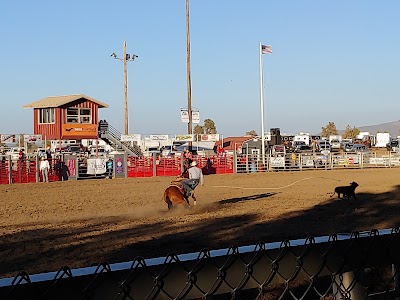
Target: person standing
x,y
64,171
109,167
195,177
44,169
48,153
209,165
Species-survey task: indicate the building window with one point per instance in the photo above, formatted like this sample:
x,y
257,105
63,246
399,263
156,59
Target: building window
x,y
79,115
46,115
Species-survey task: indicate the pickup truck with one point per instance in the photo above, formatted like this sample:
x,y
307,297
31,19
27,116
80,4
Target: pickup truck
x,y
335,145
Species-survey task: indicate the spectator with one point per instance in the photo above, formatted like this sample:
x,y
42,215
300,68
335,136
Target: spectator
x,y
21,154
44,169
109,167
209,164
64,171
48,153
220,150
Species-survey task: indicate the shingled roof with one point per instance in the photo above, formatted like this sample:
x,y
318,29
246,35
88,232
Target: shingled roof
x,y
57,101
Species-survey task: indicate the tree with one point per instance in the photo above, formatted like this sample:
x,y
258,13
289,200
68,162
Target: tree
x,y
252,133
197,130
209,127
329,129
350,133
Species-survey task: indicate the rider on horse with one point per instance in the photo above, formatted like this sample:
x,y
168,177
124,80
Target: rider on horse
x,y
195,177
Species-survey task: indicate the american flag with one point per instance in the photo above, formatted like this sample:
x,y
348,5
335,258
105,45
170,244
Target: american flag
x,y
265,49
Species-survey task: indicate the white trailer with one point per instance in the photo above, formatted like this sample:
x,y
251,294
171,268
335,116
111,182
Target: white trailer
x,y
382,139
302,137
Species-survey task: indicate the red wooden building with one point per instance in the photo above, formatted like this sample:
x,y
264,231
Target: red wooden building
x,y
66,117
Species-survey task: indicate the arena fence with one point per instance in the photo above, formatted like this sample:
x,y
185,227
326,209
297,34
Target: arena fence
x,y
27,171
358,265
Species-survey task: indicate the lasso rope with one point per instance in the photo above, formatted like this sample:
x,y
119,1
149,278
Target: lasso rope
x,y
270,188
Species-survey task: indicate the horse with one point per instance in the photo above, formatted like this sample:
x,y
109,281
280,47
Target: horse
x,y
175,194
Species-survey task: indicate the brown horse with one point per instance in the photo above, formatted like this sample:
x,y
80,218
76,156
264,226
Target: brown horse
x,y
174,194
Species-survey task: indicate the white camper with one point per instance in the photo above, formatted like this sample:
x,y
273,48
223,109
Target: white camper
x,y
302,137
382,139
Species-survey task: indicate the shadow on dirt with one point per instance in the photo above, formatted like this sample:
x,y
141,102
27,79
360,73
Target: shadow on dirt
x,y
247,198
82,243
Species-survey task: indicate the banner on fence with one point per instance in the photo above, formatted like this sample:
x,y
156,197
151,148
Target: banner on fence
x,y
32,138
277,162
131,137
8,138
209,137
96,166
158,137
184,137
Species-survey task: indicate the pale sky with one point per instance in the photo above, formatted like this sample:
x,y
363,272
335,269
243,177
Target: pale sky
x,y
332,61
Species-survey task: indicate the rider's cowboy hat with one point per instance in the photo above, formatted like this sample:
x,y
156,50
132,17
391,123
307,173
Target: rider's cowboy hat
x,y
193,164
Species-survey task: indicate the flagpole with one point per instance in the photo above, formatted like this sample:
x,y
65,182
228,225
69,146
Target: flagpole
x,y
262,108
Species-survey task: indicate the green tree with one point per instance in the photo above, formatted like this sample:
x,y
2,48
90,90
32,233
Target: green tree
x,y
329,129
350,133
252,133
209,127
197,130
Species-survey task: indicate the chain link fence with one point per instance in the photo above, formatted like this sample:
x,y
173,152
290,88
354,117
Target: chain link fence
x,y
360,265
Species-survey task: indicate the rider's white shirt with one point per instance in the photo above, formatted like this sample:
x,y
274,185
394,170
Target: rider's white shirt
x,y
196,173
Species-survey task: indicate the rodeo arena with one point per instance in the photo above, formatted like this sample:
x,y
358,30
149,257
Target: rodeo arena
x,y
78,145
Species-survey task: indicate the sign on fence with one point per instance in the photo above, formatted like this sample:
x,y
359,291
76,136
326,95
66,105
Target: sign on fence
x,y
209,137
32,138
277,162
96,166
130,137
158,137
8,138
184,137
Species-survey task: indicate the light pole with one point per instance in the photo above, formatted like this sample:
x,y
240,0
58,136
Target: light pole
x,y
189,82
125,59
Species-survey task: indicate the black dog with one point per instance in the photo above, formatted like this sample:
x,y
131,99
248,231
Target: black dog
x,y
346,191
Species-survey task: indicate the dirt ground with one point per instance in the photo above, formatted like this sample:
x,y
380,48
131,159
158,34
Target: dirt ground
x,y
81,223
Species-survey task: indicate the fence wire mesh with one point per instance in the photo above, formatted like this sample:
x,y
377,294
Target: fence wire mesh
x,y
339,266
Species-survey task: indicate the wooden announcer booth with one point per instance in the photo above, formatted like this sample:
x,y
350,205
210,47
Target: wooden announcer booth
x,y
69,117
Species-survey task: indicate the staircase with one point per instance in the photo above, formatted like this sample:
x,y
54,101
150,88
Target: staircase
x,y
113,137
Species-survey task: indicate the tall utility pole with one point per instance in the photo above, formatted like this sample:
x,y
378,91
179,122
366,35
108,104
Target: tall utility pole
x,y
126,129
125,59
189,82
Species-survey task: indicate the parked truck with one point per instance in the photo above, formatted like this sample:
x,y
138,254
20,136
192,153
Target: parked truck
x,y
335,142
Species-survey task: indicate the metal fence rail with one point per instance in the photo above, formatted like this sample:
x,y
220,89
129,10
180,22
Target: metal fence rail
x,y
340,266
149,166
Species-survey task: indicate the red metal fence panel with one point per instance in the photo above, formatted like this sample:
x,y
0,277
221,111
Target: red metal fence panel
x,y
140,166
168,166
25,171
4,174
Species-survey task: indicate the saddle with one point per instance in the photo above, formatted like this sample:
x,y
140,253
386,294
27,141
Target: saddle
x,y
178,183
